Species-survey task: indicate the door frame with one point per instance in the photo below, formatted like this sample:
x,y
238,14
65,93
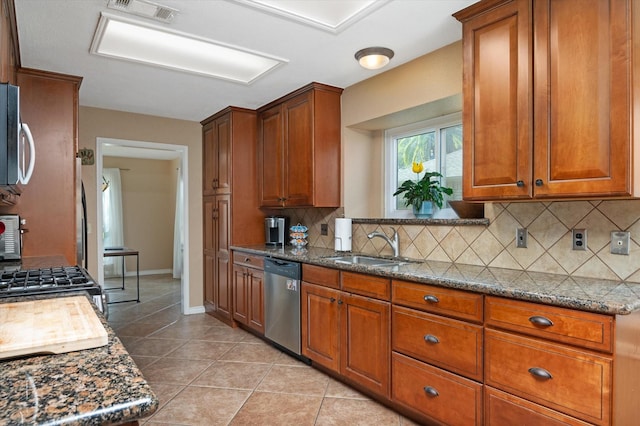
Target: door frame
x,y
183,152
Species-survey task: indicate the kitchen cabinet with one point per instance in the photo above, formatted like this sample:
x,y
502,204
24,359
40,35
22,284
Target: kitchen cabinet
x,y
231,213
568,64
437,361
346,332
569,364
248,290
9,57
49,104
299,149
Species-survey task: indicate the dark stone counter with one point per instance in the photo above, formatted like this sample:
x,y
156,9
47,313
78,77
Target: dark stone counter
x,y
587,294
90,387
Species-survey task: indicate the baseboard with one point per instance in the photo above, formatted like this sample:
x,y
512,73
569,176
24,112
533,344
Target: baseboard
x,y
145,272
195,310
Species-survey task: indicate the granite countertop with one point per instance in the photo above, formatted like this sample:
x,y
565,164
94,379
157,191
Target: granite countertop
x,y
587,294
89,387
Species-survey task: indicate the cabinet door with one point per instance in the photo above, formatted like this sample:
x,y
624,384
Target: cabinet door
x,y
256,300
209,287
497,82
365,342
271,151
320,316
298,157
216,156
240,295
209,159
222,280
581,97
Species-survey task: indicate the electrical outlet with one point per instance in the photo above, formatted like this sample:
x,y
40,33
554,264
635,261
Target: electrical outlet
x,y
620,242
579,238
324,229
521,237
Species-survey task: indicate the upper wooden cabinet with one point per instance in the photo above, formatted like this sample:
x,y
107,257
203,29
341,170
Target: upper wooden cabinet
x,y
548,100
299,149
216,156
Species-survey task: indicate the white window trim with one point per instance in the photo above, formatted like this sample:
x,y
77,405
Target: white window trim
x,y
390,162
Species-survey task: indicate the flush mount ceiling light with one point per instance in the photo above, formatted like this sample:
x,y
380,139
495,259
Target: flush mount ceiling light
x,y
374,58
144,43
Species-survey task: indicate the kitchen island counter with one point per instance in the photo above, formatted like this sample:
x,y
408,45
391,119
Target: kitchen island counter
x,y
89,387
587,294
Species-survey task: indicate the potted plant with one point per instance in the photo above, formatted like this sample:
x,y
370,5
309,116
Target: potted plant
x,y
423,193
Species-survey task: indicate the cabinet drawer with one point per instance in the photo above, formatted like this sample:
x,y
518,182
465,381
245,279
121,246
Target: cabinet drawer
x,y
504,409
585,329
248,259
456,303
435,393
366,285
579,382
451,344
322,276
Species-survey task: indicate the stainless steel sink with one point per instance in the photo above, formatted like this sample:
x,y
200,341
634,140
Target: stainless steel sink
x,y
355,259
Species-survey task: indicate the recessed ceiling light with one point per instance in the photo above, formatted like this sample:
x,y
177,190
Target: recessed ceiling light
x,y
329,15
145,43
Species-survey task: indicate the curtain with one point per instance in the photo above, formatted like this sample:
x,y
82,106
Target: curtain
x,y
178,231
112,224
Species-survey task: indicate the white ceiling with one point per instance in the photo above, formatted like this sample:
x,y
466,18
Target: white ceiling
x,y
55,35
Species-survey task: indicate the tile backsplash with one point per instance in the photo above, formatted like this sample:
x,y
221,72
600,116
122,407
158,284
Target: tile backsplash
x,y
549,247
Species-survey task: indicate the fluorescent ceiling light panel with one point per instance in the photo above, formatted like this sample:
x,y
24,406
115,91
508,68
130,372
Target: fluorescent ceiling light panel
x,y
330,15
144,43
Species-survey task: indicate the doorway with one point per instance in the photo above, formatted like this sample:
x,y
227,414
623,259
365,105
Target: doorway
x,y
146,150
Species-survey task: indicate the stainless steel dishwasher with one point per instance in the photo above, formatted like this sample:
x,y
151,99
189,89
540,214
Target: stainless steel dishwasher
x,y
282,303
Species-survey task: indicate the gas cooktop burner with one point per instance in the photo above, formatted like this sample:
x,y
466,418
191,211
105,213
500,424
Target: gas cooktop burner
x,y
45,280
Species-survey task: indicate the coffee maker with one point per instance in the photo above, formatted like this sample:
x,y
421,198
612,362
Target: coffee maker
x,y
275,230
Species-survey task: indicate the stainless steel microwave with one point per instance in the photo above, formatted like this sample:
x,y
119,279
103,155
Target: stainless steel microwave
x,y
17,150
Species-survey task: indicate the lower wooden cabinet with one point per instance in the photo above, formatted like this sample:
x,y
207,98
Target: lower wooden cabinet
x,y
436,393
569,380
349,334
248,291
503,409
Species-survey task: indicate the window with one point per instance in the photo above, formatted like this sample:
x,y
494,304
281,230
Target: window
x,y
437,144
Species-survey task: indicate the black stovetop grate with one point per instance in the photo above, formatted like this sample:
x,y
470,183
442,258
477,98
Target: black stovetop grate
x,y
43,280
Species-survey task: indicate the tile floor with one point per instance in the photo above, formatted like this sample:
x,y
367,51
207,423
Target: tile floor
x,y
206,373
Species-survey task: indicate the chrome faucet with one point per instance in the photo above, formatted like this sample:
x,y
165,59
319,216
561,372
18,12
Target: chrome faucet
x,y
393,241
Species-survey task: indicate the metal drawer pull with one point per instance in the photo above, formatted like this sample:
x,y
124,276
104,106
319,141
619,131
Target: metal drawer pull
x,y
431,338
333,299
542,321
431,391
430,298
540,373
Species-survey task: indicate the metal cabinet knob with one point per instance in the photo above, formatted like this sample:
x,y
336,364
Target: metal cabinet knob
x,y
539,182
520,184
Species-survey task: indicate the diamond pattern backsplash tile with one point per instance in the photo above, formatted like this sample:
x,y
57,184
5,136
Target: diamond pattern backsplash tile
x,y
549,246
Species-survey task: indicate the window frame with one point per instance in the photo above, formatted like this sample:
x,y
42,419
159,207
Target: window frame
x,y
391,161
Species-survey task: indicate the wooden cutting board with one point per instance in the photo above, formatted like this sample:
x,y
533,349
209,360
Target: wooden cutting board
x,y
56,325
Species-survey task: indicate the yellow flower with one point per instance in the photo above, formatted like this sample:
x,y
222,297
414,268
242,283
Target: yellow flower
x,y
417,167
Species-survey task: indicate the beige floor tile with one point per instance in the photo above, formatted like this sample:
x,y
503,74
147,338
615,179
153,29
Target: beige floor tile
x,y
183,330
338,389
165,392
202,349
252,352
173,370
224,334
294,379
266,409
202,406
139,329
235,375
355,412
154,347
143,361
